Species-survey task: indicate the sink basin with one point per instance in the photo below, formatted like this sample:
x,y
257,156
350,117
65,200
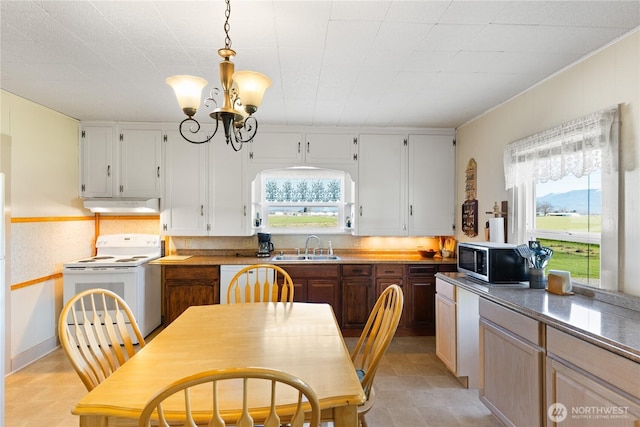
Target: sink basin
x,y
305,258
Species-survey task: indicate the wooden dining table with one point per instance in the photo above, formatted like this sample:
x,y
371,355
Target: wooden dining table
x,y
299,338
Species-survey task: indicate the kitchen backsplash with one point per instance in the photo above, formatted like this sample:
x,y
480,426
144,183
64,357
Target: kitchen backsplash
x,y
290,242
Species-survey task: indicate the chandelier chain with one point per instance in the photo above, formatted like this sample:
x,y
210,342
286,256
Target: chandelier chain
x,y
227,27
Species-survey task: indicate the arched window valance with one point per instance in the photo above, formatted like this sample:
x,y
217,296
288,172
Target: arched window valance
x,y
578,147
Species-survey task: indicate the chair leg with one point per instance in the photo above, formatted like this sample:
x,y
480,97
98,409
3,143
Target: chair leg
x,y
362,421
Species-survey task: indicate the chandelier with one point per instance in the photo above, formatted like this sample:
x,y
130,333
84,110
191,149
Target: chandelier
x,y
242,94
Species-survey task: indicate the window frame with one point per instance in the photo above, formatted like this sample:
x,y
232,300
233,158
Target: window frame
x,y
261,205
525,208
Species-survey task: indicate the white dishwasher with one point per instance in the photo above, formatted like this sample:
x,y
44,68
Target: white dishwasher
x,y
227,272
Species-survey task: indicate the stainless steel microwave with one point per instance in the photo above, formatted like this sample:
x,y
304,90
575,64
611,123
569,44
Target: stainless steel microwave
x,y
492,262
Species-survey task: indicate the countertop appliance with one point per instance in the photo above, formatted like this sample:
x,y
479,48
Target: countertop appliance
x,y
122,265
265,247
492,262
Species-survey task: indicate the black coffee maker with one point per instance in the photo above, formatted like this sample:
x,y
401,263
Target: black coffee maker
x,y
265,247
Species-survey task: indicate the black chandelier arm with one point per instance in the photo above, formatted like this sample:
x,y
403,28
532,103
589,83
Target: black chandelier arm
x,y
194,128
247,131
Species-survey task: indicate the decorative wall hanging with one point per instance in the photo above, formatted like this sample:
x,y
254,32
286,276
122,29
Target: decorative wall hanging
x,y
470,206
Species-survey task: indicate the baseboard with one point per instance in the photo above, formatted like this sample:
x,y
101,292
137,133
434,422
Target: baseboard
x,y
29,356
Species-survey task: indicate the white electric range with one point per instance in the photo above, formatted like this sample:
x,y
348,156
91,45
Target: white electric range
x,y
122,265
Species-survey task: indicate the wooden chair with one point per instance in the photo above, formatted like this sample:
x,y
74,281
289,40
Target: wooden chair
x,y
261,283
97,341
374,341
254,389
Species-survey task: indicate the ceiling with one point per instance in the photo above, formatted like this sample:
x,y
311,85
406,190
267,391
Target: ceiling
x,y
332,63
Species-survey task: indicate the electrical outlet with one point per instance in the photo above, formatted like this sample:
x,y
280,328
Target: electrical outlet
x,y
187,243
246,242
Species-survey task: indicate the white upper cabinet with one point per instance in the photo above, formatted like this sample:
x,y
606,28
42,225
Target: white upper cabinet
x,y
140,163
323,149
97,170
276,148
382,195
230,195
185,210
120,162
406,185
330,148
205,191
431,185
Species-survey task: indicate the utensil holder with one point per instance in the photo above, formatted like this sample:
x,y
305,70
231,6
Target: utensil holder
x,y
537,279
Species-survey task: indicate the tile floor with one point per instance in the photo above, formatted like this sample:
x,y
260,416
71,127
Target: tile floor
x,y
413,388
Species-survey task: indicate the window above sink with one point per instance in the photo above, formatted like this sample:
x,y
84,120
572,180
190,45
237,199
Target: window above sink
x,y
303,200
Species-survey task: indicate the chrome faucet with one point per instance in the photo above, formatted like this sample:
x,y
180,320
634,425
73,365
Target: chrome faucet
x,y
306,244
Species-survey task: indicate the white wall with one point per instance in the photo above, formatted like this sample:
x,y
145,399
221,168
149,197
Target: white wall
x,y
606,78
44,176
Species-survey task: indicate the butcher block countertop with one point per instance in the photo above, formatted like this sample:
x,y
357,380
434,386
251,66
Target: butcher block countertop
x,y
222,257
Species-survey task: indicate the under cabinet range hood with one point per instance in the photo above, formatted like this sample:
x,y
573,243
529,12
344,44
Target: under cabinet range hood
x,y
122,205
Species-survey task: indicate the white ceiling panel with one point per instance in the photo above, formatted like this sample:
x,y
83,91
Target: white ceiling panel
x,y
338,63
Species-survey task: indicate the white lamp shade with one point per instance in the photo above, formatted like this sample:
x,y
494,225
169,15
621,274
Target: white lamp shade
x,y
251,86
188,90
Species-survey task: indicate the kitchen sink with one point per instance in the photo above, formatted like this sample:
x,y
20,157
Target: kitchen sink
x,y
305,258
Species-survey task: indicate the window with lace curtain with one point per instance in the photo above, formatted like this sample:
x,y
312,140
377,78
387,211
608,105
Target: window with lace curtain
x,y
564,182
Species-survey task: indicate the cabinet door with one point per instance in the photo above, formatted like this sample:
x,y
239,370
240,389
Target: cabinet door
x,y
182,295
330,149
578,392
325,291
320,283
511,376
140,163
185,286
96,165
357,301
382,193
278,148
229,198
431,185
185,211
422,301
446,332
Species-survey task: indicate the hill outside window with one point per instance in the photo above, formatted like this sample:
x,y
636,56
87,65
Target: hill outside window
x,y
547,171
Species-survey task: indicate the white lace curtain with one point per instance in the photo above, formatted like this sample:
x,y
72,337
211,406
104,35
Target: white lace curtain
x,y
578,147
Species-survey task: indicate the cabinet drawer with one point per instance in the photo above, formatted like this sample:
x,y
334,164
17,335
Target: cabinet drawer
x,y
445,289
447,268
421,270
304,271
357,270
191,272
389,270
519,324
595,360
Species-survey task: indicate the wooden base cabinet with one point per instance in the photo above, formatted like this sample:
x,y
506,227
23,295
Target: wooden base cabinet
x,y
317,283
589,386
358,295
186,285
511,368
457,332
420,297
391,274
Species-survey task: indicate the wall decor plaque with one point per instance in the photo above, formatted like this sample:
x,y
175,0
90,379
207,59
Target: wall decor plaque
x,y
470,206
